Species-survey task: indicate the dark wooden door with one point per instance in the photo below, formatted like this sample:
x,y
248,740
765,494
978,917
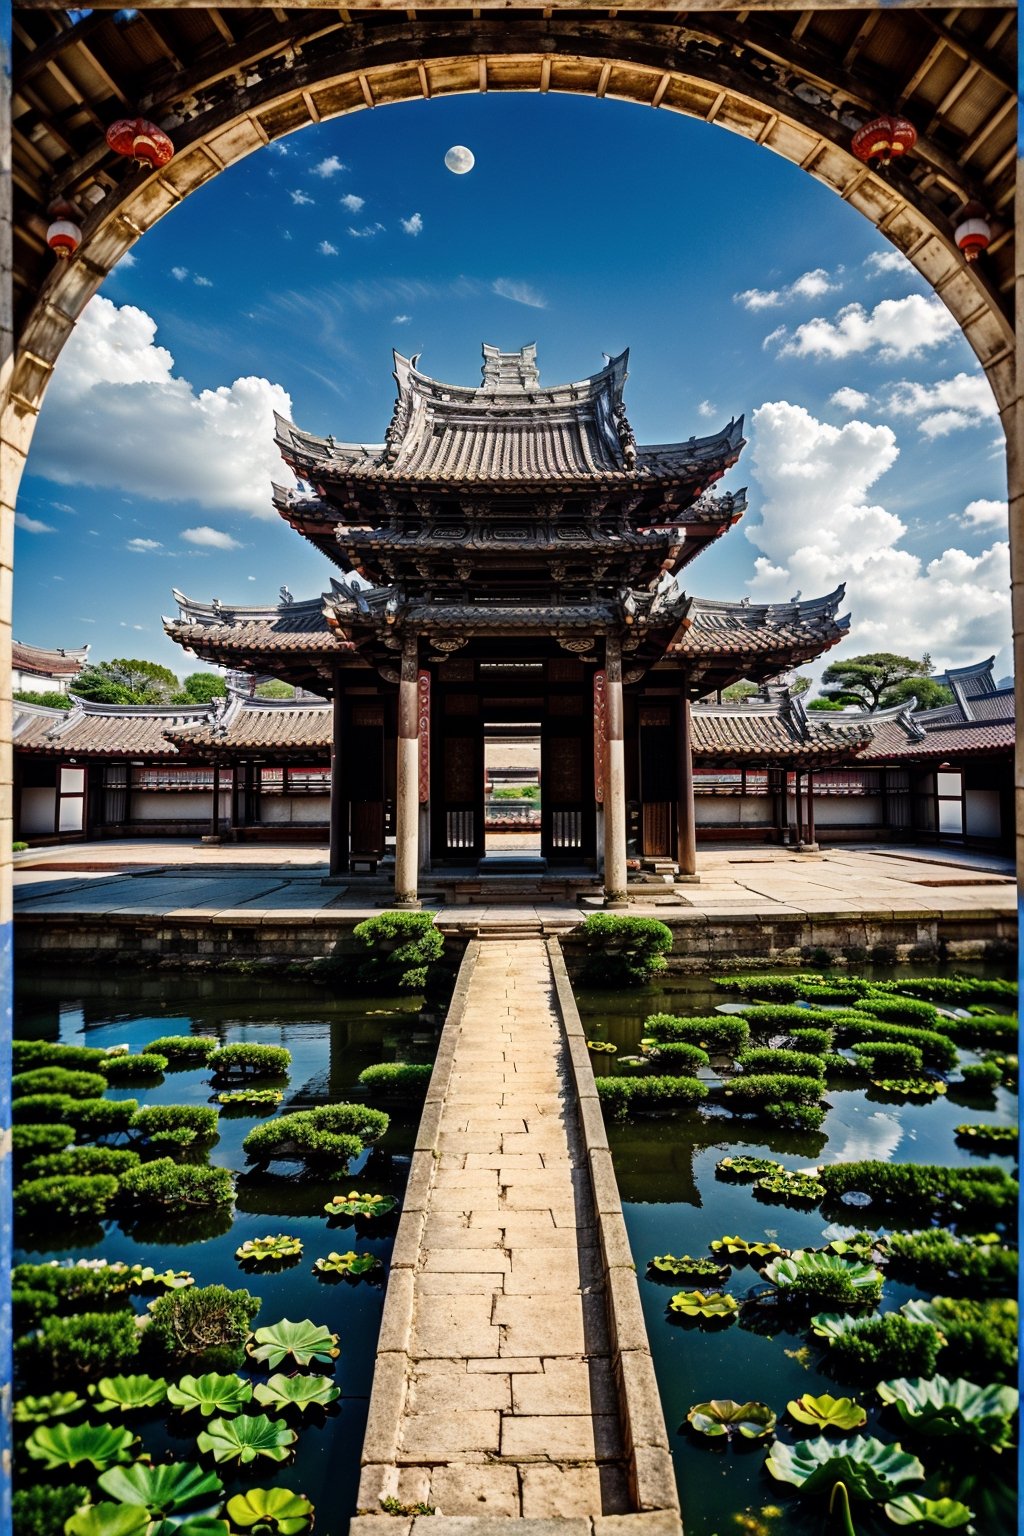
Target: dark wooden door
x,y
365,778
457,791
658,789
567,790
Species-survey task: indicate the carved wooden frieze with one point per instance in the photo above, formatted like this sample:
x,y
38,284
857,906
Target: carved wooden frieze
x,y
423,731
600,732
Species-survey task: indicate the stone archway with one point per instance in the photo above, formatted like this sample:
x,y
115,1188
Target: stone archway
x,y
786,96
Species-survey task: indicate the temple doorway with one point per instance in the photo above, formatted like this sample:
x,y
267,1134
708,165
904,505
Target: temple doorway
x,y
512,789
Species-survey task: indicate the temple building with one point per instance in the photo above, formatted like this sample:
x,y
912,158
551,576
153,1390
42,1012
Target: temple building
x,y
510,554
35,670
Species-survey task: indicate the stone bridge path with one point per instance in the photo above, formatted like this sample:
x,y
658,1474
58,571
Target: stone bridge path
x,y
497,1361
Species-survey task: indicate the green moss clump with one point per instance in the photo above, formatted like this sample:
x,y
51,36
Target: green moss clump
x,y
83,1162
623,951
758,1089
890,1058
720,1033
774,1017
986,1031
767,1059
981,1338
939,1256
838,1065
982,1075
402,947
397,1077
890,1345
817,1041
42,1289
44,1108
35,1140
623,1095
181,1125
43,1053
332,1133
979,1192
87,1345
176,1186
134,1069
93,1118
184,1050
900,1010
959,990
206,1322
76,1085
41,1511
247,1061
936,1049
64,1198
683,1058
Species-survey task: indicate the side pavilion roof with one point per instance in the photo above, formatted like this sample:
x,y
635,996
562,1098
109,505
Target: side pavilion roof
x,y
102,730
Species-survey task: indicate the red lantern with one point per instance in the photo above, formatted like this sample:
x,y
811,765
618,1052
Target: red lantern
x,y
973,231
64,235
883,140
141,141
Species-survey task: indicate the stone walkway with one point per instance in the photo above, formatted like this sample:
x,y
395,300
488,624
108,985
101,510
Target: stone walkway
x,y
509,1405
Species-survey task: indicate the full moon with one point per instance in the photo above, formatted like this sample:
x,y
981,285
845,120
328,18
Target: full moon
x,y
460,159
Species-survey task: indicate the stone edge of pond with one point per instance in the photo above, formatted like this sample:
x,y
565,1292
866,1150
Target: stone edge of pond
x,y
651,1472
661,1522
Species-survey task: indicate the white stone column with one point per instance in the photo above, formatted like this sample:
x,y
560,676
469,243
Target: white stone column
x,y
407,785
615,893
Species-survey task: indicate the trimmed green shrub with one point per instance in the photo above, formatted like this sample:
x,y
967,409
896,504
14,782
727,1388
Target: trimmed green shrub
x,y
246,1061
793,1116
900,1010
767,1059
184,1050
888,1058
936,1050
981,1337
76,1085
981,1075
44,1108
84,1162
402,946
890,1345
176,1186
623,1095
40,1290
720,1033
35,1140
182,1125
64,1198
757,1090
837,1065
89,1344
332,1132
812,985
623,951
41,1511
202,1322
396,1077
44,1053
815,1040
134,1069
938,1256
958,990
776,1016
987,1032
682,1057
93,1118
981,1192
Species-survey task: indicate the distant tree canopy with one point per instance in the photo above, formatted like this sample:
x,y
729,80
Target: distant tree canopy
x,y
929,695
868,681
52,700
825,704
737,692
130,680
800,684
275,689
200,688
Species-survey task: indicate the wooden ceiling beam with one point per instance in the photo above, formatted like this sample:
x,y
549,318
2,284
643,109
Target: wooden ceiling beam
x,y
39,54
931,58
93,63
865,30
220,22
968,51
157,30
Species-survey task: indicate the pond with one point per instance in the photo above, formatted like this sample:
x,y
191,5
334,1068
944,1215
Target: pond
x,y
331,1041
675,1203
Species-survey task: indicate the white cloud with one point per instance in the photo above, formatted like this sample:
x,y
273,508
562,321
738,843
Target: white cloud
x,y
820,527
299,198
894,329
352,202
210,538
948,405
986,514
847,399
125,625
202,282
774,336
401,319
809,285
519,293
327,249
179,273
413,225
160,438
329,167
367,232
143,546
126,261
707,410
879,263
278,147
286,234
31,524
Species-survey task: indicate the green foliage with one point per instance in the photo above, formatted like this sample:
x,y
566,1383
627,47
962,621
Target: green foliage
x,y
256,1251
350,1266
827,1412
35,1140
123,1394
811,986
330,1133
790,1187
93,1118
83,1345
937,1050
42,1289
45,1053
189,1324
182,1125
869,681
899,1010
184,1050
142,1068
682,1057
839,1066
720,1033
980,1265
958,990
867,1468
744,1168
74,1445
49,698
163,1489
985,1032
890,1057
816,1041
271,1512
40,1510
988,1138
404,1078
64,1199
401,947
365,1206
722,1416
106,1519
939,1407
756,1091
710,1306
176,1186
247,1061
773,1017
129,679
203,686
624,1095
246,1439
210,1394
305,1342
825,704
43,1410
981,1337
977,1191
84,1162
43,1108
275,689
262,1100
981,1075
890,1345
623,951
669,1266
768,1059
298,1392
825,1279
740,1249
916,1509
77,1085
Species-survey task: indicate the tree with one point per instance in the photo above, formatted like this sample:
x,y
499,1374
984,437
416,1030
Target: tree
x,y
867,681
51,700
820,704
275,689
800,684
201,687
929,695
737,692
127,680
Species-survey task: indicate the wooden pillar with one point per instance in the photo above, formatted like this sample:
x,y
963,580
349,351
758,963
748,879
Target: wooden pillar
x,y
615,891
810,809
799,809
686,821
407,779
233,801
339,854
215,810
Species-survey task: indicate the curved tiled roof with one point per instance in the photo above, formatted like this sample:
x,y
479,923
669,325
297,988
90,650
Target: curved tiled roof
x,y
772,730
805,629
287,627
102,730
46,663
264,725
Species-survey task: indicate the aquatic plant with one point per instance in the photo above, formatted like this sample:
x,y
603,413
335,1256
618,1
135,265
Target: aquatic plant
x,y
246,1439
622,951
927,1187
251,1098
247,1061
827,1412
351,1265
161,1489
41,1510
397,1077
299,1392
722,1416
712,1306
745,1168
939,1406
868,1468
42,1410
958,989
759,1089
305,1342
981,1075
269,1250
29,1140
937,1050
401,947
176,1186
915,1509
910,1088
622,1095
143,1068
332,1133
775,1017
602,1045
995,1032
188,1324
93,1118
978,1336
73,1445
899,1010
767,1059
364,1205
108,1519
63,1198
210,1394
42,1108
791,1187
825,1278
678,1055
891,1056
719,1033
667,1265
46,1053
811,1039
992,1138
176,1125
890,1344
270,1512
77,1085
184,1050
936,1255
124,1394
83,1163
738,1249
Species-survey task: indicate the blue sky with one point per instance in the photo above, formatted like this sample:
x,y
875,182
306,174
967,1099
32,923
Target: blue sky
x,y
739,284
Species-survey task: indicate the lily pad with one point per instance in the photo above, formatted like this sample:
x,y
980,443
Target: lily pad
x,y
124,1394
351,1265
667,1265
355,1204
827,1412
245,1439
910,1087
71,1445
915,1509
737,1249
148,1278
162,1489
107,1519
722,1416
306,1342
602,1047
743,1168
825,1277
282,1249
210,1394
870,1469
794,1188
275,1511
43,1410
251,1098
296,1392
829,1325
938,1406
711,1305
